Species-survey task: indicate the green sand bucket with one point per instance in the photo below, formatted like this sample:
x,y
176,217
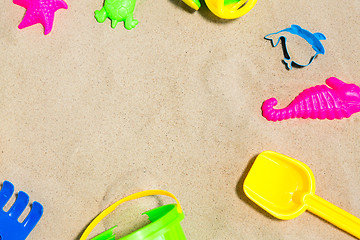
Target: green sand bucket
x,y
165,221
165,225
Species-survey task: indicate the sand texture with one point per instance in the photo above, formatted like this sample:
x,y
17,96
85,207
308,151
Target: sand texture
x,y
90,114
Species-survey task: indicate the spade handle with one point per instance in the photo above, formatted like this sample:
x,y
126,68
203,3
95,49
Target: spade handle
x,y
333,214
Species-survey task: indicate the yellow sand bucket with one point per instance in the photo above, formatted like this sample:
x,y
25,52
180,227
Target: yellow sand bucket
x,y
227,9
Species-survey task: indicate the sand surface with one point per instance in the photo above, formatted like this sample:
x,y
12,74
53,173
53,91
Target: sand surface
x,y
89,114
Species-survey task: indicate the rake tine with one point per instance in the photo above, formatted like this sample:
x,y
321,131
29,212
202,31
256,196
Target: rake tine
x,y
19,206
6,192
34,216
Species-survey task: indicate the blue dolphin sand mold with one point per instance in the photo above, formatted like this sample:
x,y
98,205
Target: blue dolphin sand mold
x,y
312,38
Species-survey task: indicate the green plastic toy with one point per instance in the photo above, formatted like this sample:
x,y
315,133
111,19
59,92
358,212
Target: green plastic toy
x,y
118,11
165,225
107,235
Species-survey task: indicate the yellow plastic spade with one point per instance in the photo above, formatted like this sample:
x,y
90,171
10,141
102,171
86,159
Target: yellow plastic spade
x,y
285,188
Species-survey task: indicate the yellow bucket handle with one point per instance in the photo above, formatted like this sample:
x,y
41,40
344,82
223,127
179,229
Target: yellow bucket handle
x,y
134,196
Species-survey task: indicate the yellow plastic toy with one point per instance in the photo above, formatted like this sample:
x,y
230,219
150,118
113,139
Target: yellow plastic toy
x,y
285,188
227,9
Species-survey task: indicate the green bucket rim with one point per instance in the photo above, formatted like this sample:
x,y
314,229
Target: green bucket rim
x,y
161,218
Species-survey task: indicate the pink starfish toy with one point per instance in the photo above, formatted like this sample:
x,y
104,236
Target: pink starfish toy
x,y
40,11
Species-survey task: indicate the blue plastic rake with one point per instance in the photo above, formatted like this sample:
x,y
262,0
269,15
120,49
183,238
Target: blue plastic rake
x,y
10,227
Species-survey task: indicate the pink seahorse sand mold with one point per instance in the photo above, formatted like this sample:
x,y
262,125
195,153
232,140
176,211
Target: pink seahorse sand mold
x,y
339,101
40,11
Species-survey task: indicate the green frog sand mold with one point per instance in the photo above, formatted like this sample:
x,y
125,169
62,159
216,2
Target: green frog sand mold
x,y
118,11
